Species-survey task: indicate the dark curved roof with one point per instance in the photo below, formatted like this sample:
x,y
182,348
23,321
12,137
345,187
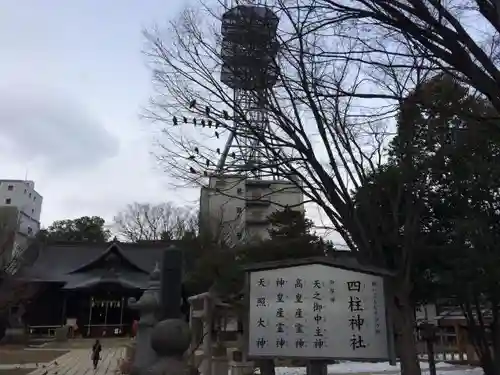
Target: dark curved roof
x,y
114,249
80,265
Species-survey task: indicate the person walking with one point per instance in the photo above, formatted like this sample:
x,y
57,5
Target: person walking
x,y
96,353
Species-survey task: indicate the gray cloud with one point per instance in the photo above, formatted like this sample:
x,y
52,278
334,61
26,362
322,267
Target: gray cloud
x,y
46,125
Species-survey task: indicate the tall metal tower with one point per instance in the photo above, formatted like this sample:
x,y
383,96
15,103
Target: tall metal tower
x,y
249,50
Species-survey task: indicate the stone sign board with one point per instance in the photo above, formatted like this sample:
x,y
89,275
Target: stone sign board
x,y
318,311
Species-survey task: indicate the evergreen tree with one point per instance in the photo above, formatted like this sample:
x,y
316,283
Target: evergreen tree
x,y
443,166
222,267
82,229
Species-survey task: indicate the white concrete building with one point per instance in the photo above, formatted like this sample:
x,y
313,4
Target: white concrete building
x,y
9,223
22,195
236,209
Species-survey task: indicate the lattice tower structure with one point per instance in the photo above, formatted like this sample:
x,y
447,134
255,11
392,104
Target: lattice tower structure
x,y
249,50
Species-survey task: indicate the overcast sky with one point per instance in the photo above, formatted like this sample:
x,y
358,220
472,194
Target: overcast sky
x,y
73,81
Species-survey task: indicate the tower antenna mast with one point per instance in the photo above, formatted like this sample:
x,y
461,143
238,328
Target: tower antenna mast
x,y
249,50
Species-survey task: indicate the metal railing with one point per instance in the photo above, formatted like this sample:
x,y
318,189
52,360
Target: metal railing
x,y
106,330
43,331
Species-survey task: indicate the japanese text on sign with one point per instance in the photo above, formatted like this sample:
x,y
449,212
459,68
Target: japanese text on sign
x,y
317,311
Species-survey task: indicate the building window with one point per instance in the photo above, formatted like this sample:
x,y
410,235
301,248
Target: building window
x,y
239,191
30,230
24,191
29,195
8,200
34,198
239,210
10,187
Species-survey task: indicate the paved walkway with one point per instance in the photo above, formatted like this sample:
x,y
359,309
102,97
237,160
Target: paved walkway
x,y
463,369
18,366
78,362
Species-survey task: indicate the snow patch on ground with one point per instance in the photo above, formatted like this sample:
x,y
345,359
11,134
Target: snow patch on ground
x,y
379,368
465,371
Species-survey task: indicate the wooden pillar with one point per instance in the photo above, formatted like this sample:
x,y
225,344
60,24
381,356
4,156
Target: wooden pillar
x,y
207,339
441,342
63,313
122,303
90,315
316,368
106,314
459,341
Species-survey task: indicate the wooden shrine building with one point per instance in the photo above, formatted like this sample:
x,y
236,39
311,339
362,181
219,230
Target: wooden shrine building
x,y
87,286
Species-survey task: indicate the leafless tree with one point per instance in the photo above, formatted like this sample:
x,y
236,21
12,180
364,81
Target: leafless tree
x,y
8,224
458,36
330,115
13,257
152,222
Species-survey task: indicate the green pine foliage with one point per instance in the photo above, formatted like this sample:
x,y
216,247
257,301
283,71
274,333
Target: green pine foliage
x,y
221,268
441,188
82,229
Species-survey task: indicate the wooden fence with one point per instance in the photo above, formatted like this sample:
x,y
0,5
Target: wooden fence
x,y
451,346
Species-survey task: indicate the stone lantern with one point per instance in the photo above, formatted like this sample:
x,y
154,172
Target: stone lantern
x,y
148,306
161,345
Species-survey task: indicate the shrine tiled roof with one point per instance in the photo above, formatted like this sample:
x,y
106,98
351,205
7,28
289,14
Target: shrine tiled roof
x,y
79,265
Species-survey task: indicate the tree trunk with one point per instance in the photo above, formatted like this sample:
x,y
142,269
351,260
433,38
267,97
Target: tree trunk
x,y
489,353
495,334
488,367
404,320
478,336
495,346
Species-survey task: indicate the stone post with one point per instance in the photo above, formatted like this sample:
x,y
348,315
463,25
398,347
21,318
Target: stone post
x,y
171,337
149,307
171,284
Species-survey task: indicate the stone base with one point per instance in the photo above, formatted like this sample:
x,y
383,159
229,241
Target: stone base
x,y
130,351
135,370
170,366
220,366
61,334
241,368
16,336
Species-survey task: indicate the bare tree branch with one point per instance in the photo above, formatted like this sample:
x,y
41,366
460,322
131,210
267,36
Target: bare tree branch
x,y
13,290
327,131
149,222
